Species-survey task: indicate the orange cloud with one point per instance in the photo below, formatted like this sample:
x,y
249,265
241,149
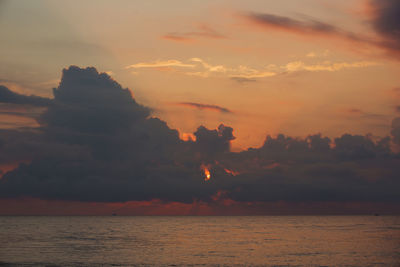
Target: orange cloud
x,y
188,137
158,64
243,73
327,66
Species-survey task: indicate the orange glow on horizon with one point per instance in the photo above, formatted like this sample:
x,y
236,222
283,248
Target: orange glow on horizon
x,y
220,204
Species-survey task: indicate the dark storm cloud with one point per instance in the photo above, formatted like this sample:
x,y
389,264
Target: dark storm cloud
x,y
309,169
211,143
87,101
204,106
96,143
8,96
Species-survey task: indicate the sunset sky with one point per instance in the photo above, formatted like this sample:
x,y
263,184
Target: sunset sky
x,y
265,67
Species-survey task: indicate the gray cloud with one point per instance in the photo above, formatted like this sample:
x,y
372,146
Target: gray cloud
x,y
8,96
306,26
289,23
96,143
384,21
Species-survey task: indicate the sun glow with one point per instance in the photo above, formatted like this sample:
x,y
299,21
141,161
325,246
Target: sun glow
x,y
206,171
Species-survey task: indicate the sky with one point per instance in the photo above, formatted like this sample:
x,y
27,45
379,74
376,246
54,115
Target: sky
x,y
199,107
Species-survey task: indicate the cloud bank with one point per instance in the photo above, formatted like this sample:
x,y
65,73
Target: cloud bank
x,y
95,143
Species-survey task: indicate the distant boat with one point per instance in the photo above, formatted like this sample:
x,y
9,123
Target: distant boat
x,y
114,214
376,214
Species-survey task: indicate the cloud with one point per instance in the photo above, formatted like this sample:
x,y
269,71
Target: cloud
x,y
363,114
255,74
176,37
303,27
396,130
204,106
311,55
8,96
204,31
158,64
242,79
385,21
327,66
239,74
211,144
21,110
208,67
242,73
95,143
282,22
382,16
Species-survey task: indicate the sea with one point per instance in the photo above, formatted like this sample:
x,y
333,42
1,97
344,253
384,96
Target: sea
x,y
200,241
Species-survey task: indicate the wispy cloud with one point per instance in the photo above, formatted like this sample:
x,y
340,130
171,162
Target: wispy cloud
x,y
312,54
327,66
382,16
309,26
286,23
158,64
242,79
201,68
255,74
361,114
212,68
204,107
203,31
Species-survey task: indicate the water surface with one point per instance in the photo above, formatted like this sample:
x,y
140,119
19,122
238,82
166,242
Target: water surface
x,y
207,241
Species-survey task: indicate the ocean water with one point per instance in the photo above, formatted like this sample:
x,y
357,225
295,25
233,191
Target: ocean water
x,y
200,241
